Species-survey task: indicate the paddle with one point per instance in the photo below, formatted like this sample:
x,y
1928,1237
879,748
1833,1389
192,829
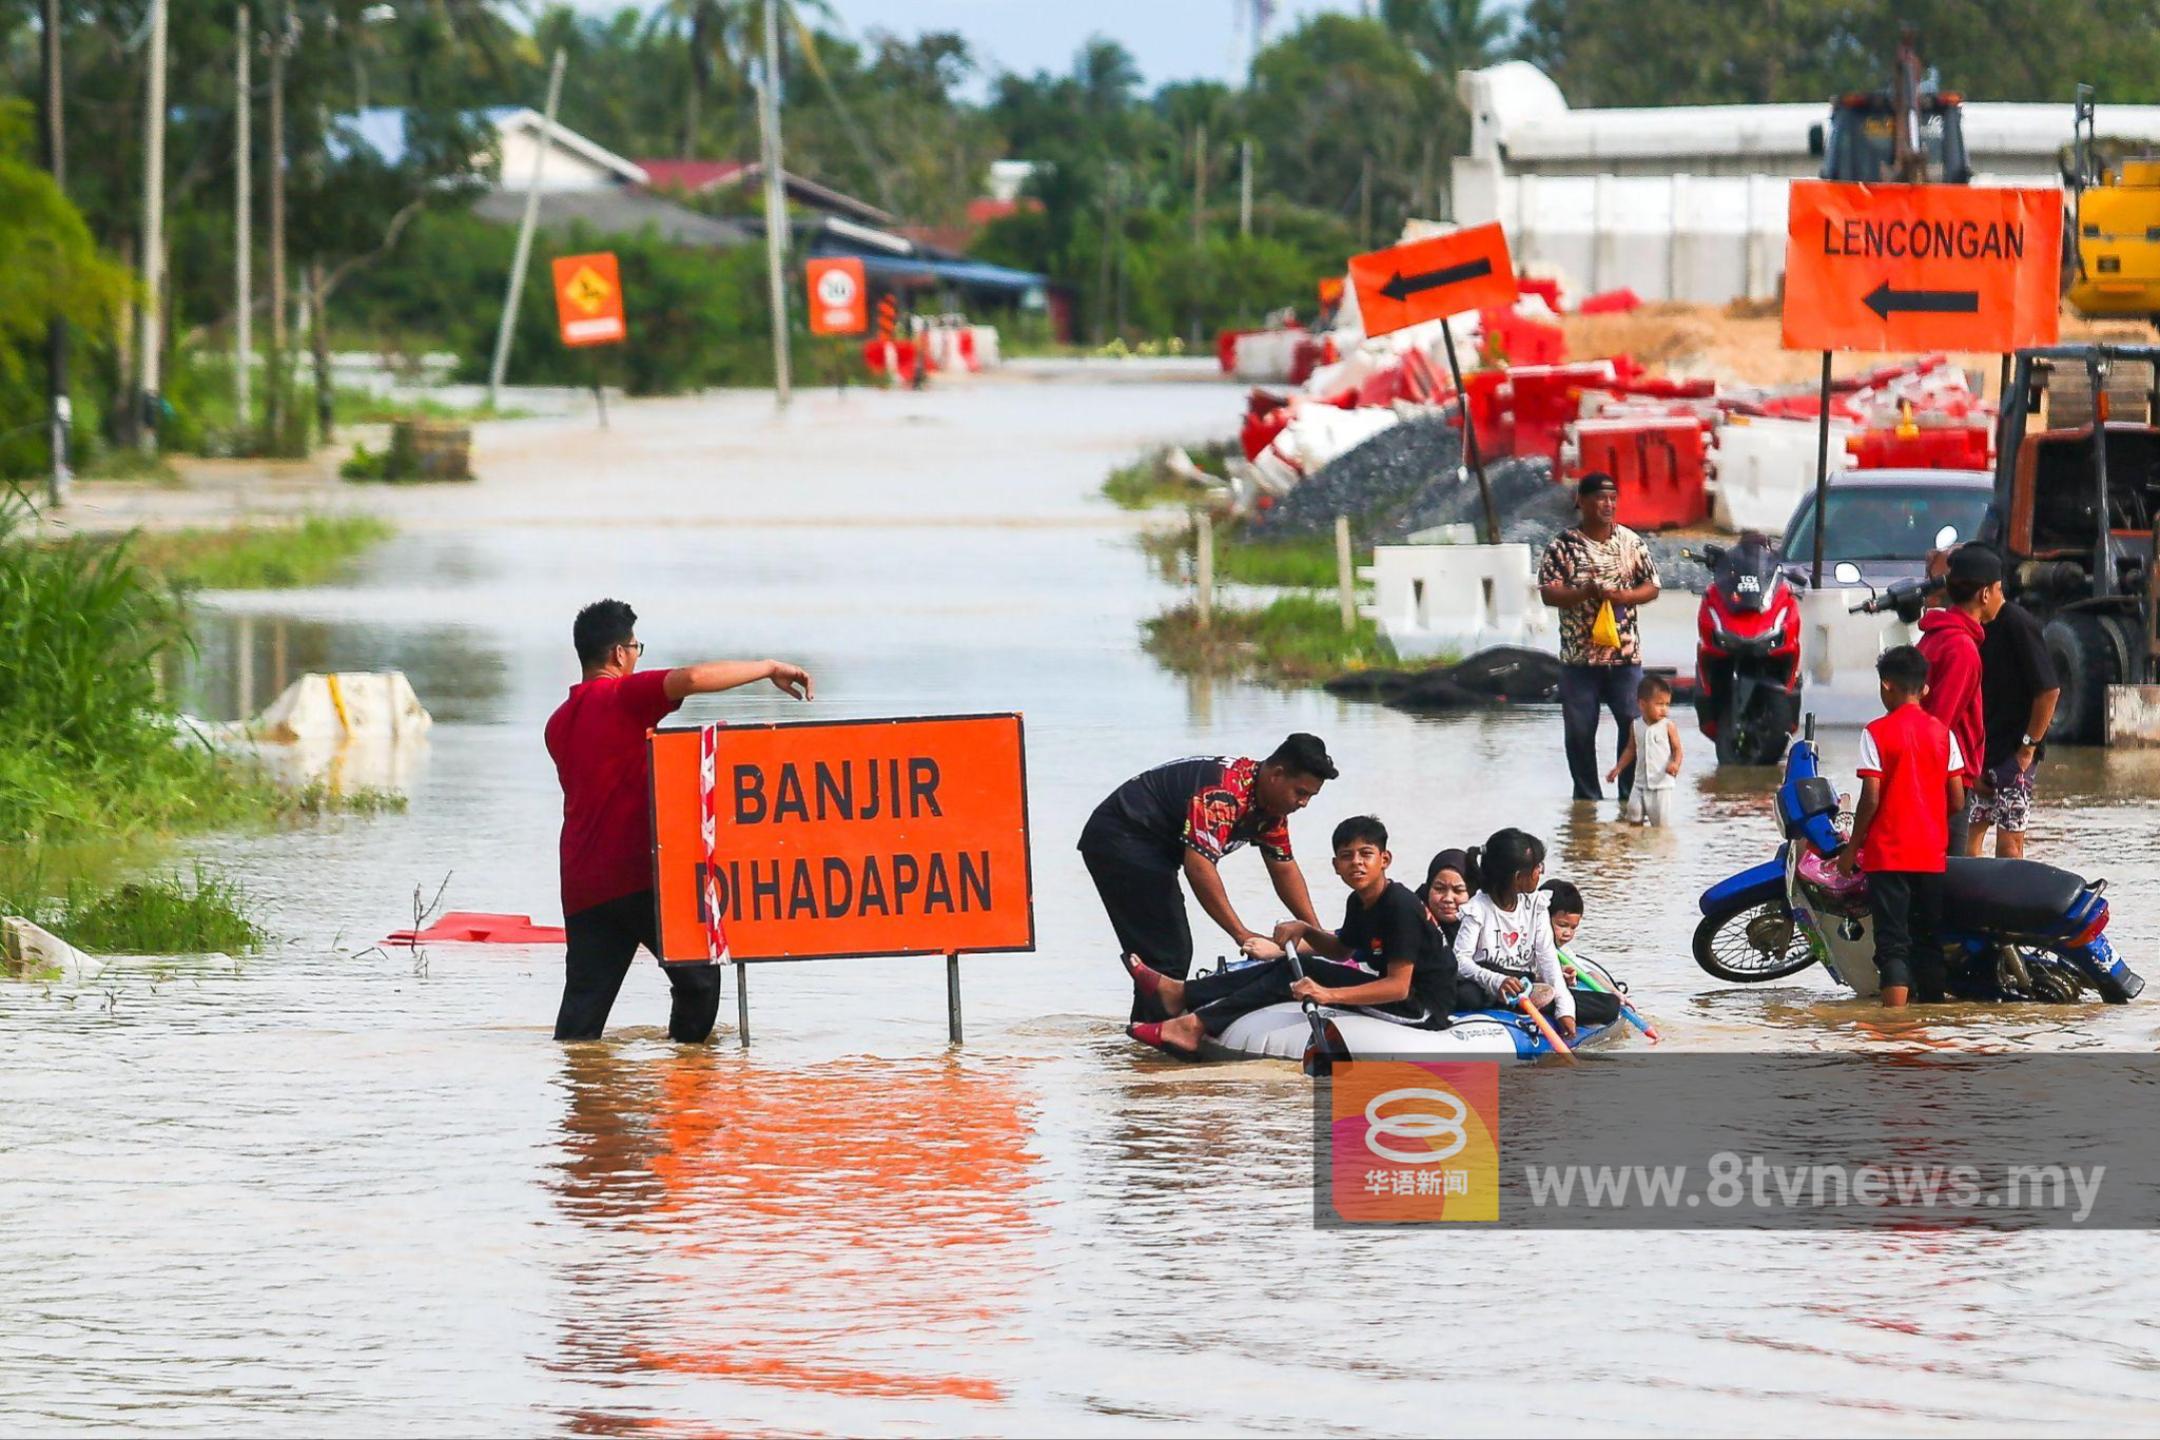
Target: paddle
x,y
1552,1036
1319,1056
1589,981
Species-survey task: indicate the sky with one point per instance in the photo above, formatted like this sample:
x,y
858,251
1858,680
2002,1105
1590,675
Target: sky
x,y
1171,39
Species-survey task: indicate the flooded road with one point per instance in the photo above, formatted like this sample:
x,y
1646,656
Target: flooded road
x,y
339,1189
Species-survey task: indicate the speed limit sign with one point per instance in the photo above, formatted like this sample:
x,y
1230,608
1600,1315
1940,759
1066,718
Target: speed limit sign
x,y
838,297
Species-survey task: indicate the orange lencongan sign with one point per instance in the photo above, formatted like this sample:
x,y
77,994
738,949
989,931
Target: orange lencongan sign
x,y
1921,267
1433,279
588,300
848,838
839,296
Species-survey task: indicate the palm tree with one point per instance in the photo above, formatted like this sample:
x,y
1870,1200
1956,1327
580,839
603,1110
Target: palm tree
x,y
716,33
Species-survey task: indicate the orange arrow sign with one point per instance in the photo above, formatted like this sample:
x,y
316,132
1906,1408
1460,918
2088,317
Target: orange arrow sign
x,y
1433,279
1921,267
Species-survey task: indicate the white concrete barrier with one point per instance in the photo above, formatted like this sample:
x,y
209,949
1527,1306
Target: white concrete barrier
x,y
1265,355
987,356
1837,655
1459,599
345,706
1763,467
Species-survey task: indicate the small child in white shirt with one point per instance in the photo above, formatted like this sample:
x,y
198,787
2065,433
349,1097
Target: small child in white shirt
x,y
1653,748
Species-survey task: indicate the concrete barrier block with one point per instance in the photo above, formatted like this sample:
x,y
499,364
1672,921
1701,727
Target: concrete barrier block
x,y
1459,599
2133,715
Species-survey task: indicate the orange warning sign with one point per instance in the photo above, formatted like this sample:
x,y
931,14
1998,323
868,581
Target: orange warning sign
x,y
1921,267
588,299
1433,279
859,837
839,296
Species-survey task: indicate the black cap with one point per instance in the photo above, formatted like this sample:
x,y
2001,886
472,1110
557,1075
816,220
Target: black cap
x,y
1597,482
1975,565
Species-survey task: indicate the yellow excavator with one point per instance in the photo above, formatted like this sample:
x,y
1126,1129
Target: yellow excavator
x,y
2111,254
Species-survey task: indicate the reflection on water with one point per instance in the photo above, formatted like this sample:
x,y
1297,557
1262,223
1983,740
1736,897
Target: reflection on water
x,y
859,1228
244,658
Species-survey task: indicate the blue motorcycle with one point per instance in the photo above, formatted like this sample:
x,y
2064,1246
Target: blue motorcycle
x,y
2012,929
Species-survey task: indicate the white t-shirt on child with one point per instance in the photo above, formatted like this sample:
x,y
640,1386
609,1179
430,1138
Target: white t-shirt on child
x,y
1518,941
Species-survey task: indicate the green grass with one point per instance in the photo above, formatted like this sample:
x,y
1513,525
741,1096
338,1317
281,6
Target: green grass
x,y
362,407
156,915
1296,640
1149,481
260,557
1296,564
317,797
124,462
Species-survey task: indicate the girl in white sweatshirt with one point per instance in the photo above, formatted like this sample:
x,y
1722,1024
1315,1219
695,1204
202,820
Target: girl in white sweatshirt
x,y
1506,938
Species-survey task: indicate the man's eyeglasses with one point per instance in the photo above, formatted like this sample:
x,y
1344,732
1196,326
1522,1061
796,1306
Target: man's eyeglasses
x,y
635,647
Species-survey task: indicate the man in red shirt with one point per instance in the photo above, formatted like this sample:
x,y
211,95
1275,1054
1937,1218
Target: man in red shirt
x,y
597,740
1950,640
1911,770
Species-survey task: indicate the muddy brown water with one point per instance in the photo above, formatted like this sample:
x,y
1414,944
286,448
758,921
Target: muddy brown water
x,y
339,1189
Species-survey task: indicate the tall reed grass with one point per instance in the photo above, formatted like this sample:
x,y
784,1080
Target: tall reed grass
x,y
87,745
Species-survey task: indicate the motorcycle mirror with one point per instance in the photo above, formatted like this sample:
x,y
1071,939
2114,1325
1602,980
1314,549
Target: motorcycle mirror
x,y
1847,573
1946,537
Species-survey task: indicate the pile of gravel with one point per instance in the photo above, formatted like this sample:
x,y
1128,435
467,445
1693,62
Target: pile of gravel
x,y
1367,482
1410,477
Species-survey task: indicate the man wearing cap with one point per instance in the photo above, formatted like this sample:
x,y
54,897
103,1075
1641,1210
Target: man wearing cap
x,y
1950,639
1599,562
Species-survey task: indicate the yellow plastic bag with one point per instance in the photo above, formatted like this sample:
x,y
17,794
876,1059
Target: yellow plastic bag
x,y
1605,630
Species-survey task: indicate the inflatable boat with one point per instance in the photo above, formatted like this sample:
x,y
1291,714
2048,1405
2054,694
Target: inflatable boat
x,y
1281,1032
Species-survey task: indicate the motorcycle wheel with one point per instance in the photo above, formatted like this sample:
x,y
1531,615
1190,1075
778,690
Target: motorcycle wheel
x,y
2055,987
1749,942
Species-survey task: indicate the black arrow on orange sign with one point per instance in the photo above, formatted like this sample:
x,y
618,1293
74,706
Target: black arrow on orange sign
x,y
1402,287
1883,300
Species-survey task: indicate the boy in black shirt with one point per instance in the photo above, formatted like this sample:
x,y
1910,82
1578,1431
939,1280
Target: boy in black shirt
x,y
1387,955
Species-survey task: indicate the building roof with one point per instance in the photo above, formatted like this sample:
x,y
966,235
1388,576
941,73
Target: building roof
x,y
382,129
615,211
1517,115
698,177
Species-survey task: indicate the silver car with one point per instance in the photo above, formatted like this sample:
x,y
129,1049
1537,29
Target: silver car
x,y
1883,523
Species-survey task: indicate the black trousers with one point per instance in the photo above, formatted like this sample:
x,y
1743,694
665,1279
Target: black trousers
x,y
603,940
1147,910
1907,909
1592,1007
1220,998
1584,691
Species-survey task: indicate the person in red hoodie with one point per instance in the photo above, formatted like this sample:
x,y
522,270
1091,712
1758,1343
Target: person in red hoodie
x,y
1950,640
1911,783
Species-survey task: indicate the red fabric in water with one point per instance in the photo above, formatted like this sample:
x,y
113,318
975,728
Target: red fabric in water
x,y
468,927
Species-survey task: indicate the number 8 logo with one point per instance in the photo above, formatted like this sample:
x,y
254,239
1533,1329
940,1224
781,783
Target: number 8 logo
x,y
1417,1125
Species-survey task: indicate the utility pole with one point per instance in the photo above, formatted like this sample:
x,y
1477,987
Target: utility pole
x,y
1365,201
153,229
1102,294
58,410
1244,199
1199,183
243,221
525,237
776,237
276,398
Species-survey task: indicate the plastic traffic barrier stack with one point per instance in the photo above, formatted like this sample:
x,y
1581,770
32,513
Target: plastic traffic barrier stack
x,y
1657,461
1933,447
1540,400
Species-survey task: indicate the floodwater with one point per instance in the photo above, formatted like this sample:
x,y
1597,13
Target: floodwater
x,y
339,1189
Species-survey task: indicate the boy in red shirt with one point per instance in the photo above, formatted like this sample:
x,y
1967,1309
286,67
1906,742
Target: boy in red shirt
x,y
1950,640
1911,770
597,740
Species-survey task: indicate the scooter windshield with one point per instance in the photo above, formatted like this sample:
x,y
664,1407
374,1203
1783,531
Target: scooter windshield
x,y
1747,577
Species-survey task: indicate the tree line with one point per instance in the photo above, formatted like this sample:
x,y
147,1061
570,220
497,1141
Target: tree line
x,y
1348,124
